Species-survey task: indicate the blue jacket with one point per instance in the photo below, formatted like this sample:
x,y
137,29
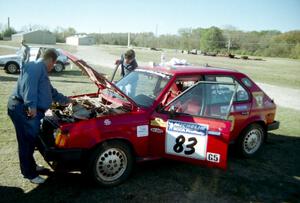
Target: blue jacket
x,y
35,89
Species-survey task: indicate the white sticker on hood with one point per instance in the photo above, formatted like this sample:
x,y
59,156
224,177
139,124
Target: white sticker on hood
x,y
107,122
142,130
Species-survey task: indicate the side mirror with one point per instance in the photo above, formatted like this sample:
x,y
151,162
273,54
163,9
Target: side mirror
x,y
172,111
159,108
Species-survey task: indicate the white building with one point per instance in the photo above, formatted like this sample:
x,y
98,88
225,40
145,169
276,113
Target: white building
x,y
80,40
35,37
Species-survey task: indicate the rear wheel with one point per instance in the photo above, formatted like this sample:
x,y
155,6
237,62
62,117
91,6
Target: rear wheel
x,y
111,164
11,68
251,140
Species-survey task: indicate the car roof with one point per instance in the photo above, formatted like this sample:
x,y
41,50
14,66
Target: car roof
x,y
188,70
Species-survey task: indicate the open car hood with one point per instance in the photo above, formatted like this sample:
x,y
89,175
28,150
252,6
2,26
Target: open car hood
x,y
98,78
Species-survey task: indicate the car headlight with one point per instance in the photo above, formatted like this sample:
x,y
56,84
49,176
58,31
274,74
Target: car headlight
x,y
61,138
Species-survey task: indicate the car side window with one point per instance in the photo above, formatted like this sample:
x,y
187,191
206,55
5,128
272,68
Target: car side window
x,y
241,94
205,99
180,85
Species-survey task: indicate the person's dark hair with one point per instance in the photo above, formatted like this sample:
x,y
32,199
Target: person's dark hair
x,y
129,54
50,53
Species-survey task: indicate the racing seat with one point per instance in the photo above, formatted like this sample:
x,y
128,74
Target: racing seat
x,y
192,107
175,90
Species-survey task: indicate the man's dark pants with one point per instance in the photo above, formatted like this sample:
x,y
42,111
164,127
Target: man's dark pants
x,y
27,131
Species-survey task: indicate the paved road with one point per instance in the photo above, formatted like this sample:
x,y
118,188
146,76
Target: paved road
x,y
97,56
9,47
283,96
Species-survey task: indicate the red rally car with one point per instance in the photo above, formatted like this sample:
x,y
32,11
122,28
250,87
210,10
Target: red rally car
x,y
183,113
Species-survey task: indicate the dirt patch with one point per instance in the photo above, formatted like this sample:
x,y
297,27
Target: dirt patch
x,y
95,55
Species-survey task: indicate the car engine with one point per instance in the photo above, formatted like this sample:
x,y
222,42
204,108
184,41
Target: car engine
x,y
83,108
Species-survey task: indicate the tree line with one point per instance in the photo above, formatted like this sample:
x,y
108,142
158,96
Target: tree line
x,y
212,40
215,40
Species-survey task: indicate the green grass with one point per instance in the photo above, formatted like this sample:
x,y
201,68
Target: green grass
x,y
289,122
276,71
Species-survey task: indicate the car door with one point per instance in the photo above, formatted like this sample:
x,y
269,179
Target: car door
x,y
187,130
240,107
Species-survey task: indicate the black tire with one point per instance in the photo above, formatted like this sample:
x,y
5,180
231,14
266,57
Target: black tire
x,y
12,68
251,140
58,67
111,163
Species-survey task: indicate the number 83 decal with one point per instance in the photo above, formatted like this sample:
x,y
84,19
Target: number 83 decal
x,y
189,145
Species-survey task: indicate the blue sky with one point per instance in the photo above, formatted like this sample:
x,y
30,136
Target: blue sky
x,y
144,16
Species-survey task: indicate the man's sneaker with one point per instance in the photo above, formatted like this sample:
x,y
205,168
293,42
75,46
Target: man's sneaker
x,y
37,180
39,168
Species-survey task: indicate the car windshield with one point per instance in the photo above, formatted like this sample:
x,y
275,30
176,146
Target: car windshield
x,y
143,86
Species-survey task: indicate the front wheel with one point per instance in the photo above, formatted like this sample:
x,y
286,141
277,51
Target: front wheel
x,y
111,164
59,67
251,140
12,68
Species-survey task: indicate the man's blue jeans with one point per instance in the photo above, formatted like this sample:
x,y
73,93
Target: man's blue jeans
x,y
27,131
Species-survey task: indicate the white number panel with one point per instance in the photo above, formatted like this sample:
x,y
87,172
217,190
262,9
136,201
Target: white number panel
x,y
186,139
213,157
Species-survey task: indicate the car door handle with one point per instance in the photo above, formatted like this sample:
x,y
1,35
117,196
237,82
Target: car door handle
x,y
245,112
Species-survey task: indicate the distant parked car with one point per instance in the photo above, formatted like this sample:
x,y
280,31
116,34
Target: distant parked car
x,y
12,63
193,51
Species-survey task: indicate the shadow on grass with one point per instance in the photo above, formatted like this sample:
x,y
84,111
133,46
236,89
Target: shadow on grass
x,y
73,72
271,176
8,78
71,81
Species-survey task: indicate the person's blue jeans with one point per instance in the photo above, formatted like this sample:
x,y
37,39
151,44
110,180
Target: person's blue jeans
x,y
27,131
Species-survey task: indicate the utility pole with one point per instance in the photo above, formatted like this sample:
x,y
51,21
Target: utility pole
x,y
128,41
8,23
228,45
156,35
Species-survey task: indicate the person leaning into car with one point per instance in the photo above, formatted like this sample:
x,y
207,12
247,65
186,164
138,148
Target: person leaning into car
x,y
127,61
32,96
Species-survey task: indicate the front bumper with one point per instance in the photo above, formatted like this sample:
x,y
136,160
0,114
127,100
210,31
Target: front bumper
x,y
52,154
273,126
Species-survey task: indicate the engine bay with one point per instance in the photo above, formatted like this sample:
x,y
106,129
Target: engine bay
x,y
82,108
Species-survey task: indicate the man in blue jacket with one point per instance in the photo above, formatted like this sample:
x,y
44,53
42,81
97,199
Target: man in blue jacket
x,y
32,96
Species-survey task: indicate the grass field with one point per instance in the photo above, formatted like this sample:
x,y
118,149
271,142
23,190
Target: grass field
x,y
272,176
274,71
